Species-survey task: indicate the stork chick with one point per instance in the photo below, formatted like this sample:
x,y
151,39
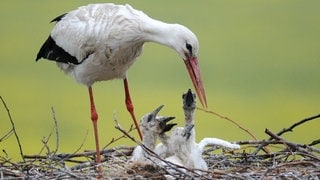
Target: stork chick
x,y
187,152
182,143
151,126
189,105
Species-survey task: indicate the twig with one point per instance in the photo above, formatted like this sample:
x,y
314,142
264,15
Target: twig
x,y
168,164
66,157
292,146
118,138
81,145
13,127
45,145
295,163
123,131
268,142
315,142
6,136
235,123
46,140
289,129
297,124
57,130
82,165
230,120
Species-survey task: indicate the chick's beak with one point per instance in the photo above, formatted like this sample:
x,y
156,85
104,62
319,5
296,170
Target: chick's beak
x,y
166,119
163,123
156,111
192,65
187,132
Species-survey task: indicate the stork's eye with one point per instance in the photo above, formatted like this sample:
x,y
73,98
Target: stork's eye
x,y
189,47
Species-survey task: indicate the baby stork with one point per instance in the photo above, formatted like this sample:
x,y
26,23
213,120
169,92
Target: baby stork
x,y
151,126
189,105
182,144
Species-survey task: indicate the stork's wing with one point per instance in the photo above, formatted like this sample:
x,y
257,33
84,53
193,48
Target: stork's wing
x,y
81,32
57,19
50,50
216,142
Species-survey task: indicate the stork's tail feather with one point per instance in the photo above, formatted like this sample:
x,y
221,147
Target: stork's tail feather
x,y
51,51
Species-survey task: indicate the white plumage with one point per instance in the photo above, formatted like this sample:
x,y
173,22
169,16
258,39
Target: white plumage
x,y
181,147
106,39
151,126
100,42
165,148
187,152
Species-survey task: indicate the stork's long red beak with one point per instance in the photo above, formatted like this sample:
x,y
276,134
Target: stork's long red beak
x,y
192,65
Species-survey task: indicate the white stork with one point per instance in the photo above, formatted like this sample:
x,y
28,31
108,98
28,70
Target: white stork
x,y
100,42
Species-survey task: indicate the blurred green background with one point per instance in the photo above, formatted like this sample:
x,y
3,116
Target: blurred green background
x,y
260,62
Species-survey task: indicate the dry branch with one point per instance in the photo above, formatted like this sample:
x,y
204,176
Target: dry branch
x,y
13,127
292,146
57,130
230,120
290,129
235,123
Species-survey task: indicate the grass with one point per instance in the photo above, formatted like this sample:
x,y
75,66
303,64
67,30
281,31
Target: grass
x,y
259,61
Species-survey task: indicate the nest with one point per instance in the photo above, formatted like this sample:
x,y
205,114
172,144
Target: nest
x,y
273,158
284,163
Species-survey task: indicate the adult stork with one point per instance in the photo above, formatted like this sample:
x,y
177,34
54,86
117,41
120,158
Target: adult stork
x,y
100,42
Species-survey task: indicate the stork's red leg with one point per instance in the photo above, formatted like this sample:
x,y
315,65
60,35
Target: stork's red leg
x,y
94,118
130,107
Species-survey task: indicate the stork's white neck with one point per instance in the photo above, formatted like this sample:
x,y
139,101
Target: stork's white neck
x,y
189,116
160,32
149,139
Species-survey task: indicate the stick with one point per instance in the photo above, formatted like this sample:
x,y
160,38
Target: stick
x,y
235,123
57,130
297,124
315,142
292,146
228,119
6,136
67,157
268,142
45,141
290,129
13,127
118,138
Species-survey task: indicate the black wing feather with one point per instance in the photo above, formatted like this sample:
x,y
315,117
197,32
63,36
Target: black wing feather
x,y
51,51
57,19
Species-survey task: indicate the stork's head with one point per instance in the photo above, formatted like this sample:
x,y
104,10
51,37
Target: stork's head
x,y
189,100
181,135
186,44
152,123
